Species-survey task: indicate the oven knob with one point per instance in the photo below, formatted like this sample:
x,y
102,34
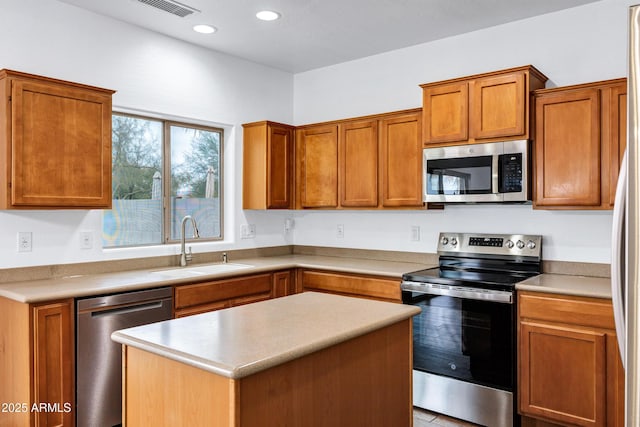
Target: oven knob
x,y
510,244
445,241
531,244
520,244
454,241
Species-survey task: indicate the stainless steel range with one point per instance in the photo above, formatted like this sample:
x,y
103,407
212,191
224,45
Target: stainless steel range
x,y
464,340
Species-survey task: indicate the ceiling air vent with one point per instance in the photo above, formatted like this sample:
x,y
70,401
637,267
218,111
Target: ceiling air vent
x,y
170,6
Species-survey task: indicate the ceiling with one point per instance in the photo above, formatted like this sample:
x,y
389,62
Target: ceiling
x,y
317,33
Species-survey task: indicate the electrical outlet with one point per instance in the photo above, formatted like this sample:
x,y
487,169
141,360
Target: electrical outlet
x,y
288,224
415,233
247,231
340,231
86,240
25,240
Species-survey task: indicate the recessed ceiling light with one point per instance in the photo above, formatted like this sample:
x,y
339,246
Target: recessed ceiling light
x,y
204,29
267,15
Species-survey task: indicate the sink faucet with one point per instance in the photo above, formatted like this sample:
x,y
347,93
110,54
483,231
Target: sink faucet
x,y
184,256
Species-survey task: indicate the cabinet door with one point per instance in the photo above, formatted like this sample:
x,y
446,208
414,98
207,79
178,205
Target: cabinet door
x,y
355,285
61,146
563,374
615,115
208,296
279,159
283,284
445,113
53,359
401,160
567,149
498,106
317,154
358,160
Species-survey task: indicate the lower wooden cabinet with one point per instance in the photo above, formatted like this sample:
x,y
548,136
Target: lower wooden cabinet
x,y
284,283
37,364
570,370
218,294
374,287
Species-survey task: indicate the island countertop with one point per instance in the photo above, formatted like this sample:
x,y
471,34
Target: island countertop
x,y
241,341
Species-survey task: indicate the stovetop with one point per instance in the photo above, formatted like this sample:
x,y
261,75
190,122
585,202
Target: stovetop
x,y
490,261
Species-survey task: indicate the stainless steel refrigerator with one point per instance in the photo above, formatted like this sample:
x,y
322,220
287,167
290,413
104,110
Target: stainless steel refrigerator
x,y
625,257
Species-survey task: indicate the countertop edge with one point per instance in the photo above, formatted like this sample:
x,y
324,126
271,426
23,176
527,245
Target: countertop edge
x,y
73,287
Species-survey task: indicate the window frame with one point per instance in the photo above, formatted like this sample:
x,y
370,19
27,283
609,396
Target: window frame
x,y
166,124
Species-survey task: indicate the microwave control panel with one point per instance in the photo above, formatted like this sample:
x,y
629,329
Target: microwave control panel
x,y
510,173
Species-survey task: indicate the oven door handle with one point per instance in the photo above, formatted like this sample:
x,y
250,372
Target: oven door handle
x,y
491,295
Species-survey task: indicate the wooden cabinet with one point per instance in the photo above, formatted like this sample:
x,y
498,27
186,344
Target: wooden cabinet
x,y
267,174
284,283
218,294
580,138
371,162
317,166
484,107
358,164
374,287
37,363
55,143
570,370
400,167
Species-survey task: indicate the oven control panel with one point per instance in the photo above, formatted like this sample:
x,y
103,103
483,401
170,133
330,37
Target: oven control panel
x,y
522,245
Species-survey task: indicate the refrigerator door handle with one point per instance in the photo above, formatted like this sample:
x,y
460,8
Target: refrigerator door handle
x,y
617,257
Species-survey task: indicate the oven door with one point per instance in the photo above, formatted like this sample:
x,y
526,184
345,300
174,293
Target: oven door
x,y
463,333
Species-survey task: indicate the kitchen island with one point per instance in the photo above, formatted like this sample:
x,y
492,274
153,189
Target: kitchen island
x,y
309,359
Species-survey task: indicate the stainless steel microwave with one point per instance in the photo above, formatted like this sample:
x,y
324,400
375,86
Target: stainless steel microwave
x,y
492,172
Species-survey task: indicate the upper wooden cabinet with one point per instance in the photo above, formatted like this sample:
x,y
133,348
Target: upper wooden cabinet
x,y
267,175
371,162
570,370
580,138
480,108
55,143
358,164
317,166
400,179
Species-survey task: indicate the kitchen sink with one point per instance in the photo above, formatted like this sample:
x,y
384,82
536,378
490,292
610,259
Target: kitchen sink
x,y
200,270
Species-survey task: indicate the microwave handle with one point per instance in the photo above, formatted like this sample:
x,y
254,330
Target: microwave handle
x,y
495,173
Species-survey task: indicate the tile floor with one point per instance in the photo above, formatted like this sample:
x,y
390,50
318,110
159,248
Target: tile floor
x,y
422,418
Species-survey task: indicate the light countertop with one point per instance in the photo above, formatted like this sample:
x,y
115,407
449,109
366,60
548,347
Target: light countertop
x,y
99,284
584,286
244,340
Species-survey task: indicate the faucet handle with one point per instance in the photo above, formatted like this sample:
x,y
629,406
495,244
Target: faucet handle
x,y
189,255
224,257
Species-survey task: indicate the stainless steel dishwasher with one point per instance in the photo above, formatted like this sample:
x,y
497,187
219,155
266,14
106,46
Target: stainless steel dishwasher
x,y
99,359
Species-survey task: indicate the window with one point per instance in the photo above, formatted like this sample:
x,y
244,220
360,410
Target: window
x,y
163,171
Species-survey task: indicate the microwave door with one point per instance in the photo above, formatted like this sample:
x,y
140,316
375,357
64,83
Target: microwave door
x,y
464,179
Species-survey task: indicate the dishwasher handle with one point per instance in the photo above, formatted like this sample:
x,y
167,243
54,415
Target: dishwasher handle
x,y
126,309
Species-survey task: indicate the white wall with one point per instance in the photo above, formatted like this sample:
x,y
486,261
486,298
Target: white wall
x,y
159,75
152,74
572,46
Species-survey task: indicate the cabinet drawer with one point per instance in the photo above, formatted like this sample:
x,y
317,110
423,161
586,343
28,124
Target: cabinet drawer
x,y
209,292
373,287
571,310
